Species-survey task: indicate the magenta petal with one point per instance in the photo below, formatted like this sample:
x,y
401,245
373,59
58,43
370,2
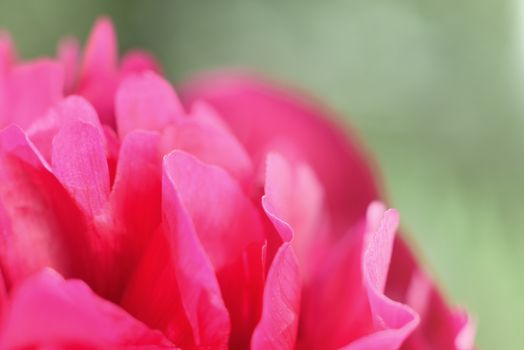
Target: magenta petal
x,y
293,196
36,214
175,287
47,310
224,218
3,292
377,255
40,82
7,52
204,135
278,325
440,326
98,76
145,101
79,162
153,293
101,55
69,110
69,56
265,118
393,321
200,292
336,285
42,224
466,331
242,286
136,195
138,62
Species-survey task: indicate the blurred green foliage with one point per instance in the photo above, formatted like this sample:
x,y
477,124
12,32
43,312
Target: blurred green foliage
x,y
433,86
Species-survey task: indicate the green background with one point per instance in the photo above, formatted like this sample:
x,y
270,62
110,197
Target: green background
x,y
433,86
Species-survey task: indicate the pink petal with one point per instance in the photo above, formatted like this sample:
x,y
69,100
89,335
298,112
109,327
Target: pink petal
x,y
224,218
69,110
41,225
349,283
242,275
277,328
136,195
101,55
40,82
7,52
3,288
145,101
69,56
379,247
112,150
48,311
265,118
205,136
393,322
79,162
466,331
98,76
187,290
294,196
335,291
242,286
37,216
70,135
194,268
137,62
154,296
441,326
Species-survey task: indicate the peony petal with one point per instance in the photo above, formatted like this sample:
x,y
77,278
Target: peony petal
x,y
69,110
379,247
136,196
278,325
7,51
41,82
69,56
42,225
137,62
187,292
47,310
335,291
242,286
37,216
206,313
145,101
79,162
101,54
224,218
294,196
226,221
153,294
265,118
205,136
441,326
98,76
7,57
73,227
466,331
349,282
112,150
393,322
3,288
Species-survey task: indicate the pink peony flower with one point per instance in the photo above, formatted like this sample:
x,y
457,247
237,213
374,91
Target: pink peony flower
x,y
236,217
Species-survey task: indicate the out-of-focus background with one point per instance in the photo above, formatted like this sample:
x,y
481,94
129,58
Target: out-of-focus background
x,y
434,87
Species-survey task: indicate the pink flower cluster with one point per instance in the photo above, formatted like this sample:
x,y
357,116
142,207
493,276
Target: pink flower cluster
x,y
236,216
